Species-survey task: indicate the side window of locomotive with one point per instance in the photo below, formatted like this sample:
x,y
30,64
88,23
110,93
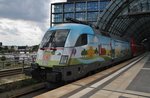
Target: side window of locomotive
x,y
92,39
82,40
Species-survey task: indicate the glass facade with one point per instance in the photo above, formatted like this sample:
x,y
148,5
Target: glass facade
x,y
80,6
103,4
92,6
92,16
68,15
81,10
81,16
69,7
58,8
57,18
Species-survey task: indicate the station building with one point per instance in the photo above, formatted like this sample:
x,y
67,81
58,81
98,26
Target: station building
x,y
84,10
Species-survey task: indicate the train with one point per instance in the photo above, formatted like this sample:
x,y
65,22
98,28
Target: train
x,y
70,51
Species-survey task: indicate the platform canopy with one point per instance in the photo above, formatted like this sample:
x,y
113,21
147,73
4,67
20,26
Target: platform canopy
x,y
127,18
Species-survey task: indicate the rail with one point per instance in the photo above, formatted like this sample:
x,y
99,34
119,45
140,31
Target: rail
x,y
25,90
10,72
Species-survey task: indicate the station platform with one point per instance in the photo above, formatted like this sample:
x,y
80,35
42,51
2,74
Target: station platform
x,y
11,79
128,80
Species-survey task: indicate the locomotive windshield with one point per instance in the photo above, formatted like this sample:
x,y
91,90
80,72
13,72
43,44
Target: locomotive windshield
x,y
54,38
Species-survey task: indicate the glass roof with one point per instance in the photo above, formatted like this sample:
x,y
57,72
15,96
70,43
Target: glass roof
x,y
126,18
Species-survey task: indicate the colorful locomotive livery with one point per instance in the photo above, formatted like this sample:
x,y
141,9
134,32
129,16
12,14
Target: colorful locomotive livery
x,y
70,51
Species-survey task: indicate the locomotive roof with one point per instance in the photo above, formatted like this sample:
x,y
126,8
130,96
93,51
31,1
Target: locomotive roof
x,y
81,27
74,26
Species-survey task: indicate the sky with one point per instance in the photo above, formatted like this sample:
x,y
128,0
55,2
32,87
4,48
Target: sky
x,y
23,22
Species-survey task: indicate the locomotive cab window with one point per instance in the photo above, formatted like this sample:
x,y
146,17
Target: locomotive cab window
x,y
82,40
55,38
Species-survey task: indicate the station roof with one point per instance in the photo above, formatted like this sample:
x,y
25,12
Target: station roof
x,y
127,18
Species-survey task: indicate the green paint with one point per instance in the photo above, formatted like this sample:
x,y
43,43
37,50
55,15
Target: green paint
x,y
74,61
88,58
106,58
52,63
49,64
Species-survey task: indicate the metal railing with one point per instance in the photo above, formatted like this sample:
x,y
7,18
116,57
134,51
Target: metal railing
x,y
16,63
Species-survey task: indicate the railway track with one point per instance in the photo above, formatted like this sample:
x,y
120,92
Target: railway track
x,y
9,72
25,90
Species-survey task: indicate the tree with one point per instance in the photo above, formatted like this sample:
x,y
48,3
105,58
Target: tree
x,y
90,52
84,53
3,58
1,49
96,51
11,49
35,48
6,49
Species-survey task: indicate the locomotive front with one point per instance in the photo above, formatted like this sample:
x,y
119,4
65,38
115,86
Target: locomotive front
x,y
55,52
51,48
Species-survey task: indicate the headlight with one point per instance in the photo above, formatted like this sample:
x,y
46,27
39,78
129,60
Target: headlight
x,y
64,59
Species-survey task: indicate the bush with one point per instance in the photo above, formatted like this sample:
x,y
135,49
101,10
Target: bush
x,y
3,58
8,64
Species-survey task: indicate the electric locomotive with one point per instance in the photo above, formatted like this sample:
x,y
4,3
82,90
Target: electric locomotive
x,y
70,51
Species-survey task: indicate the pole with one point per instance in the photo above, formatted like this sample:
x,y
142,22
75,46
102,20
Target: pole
x,y
23,65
